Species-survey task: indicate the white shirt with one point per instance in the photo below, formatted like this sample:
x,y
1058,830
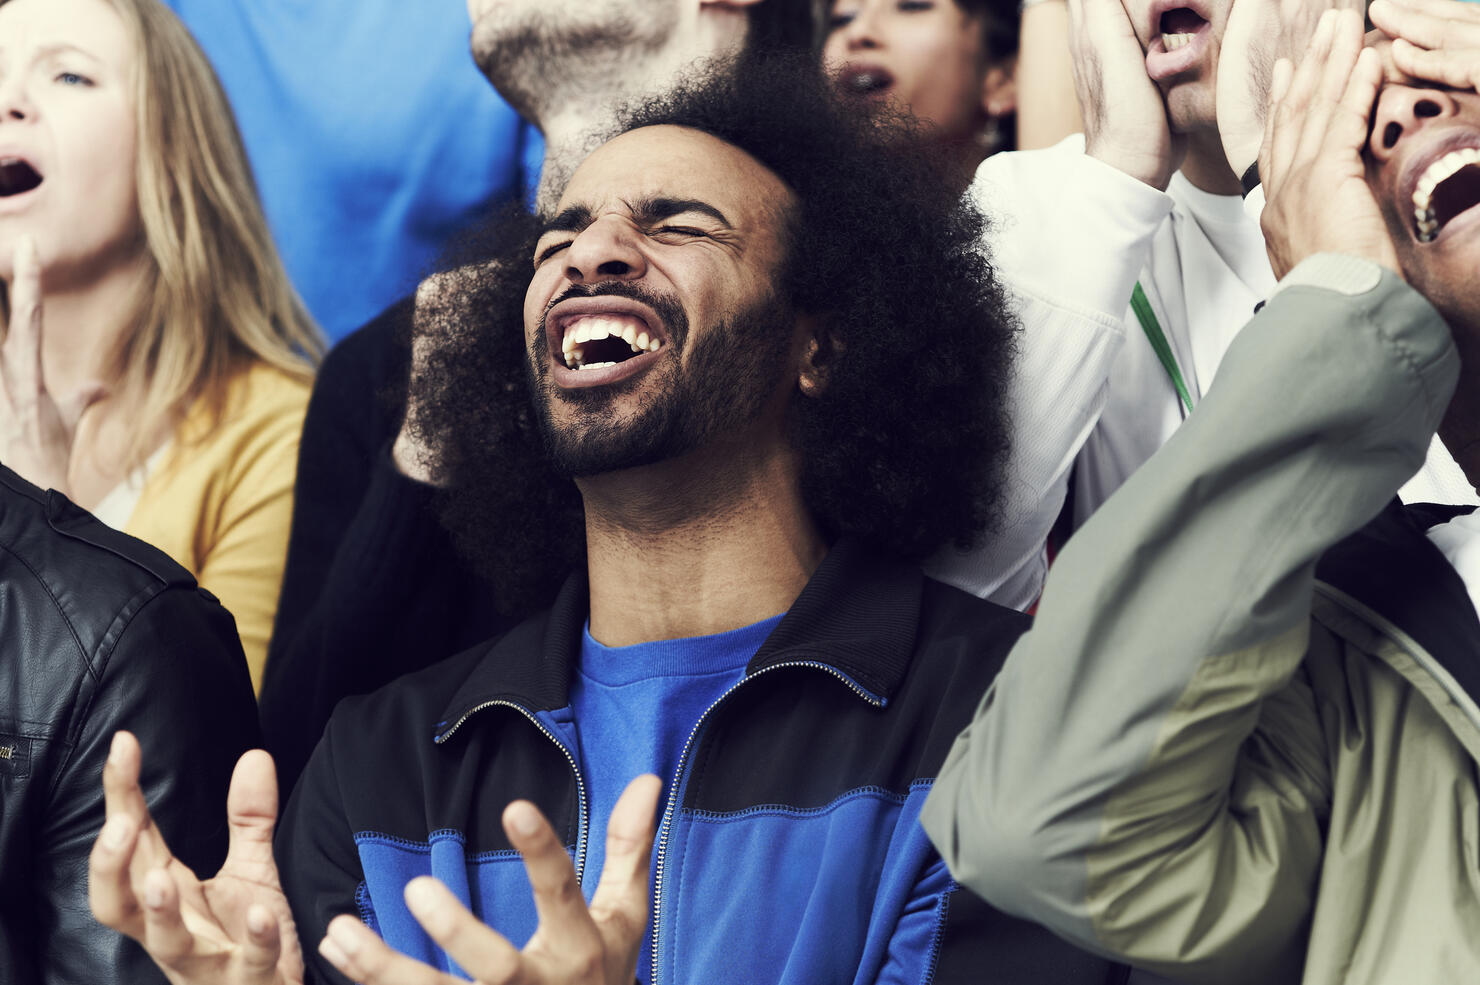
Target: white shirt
x,y
1071,238
118,505
1459,542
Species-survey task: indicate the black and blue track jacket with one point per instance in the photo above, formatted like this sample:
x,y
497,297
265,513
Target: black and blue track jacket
x,y
789,848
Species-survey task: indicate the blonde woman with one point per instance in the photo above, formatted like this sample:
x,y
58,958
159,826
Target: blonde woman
x,y
157,363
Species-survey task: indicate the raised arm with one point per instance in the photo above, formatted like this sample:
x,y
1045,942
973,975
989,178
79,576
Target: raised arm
x,y
1147,775
1072,228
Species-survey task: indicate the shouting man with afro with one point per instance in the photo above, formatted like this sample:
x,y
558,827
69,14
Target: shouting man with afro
x,y
720,395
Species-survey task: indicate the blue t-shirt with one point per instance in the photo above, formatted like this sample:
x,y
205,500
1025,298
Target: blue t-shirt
x,y
634,709
373,136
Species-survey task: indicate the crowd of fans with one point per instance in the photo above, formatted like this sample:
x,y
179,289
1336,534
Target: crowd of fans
x,y
740,490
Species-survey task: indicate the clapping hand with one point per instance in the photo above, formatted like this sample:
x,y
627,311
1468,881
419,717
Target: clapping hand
x,y
574,945
36,428
234,929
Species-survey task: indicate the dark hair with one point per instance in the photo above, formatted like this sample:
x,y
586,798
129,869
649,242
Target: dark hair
x,y
906,444
1001,20
782,25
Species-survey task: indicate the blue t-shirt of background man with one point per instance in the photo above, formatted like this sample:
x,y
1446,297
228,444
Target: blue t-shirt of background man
x,y
373,136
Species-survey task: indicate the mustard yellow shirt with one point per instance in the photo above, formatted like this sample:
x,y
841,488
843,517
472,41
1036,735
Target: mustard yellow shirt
x,y
221,500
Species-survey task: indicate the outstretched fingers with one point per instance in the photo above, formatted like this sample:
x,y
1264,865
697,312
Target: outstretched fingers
x,y
251,814
620,906
110,888
262,948
122,798
565,922
360,955
477,948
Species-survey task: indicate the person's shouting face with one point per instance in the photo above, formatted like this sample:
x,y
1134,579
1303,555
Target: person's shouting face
x,y
1423,165
651,321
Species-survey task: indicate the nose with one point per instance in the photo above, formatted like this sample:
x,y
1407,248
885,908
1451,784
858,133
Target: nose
x,y
1401,112
861,33
608,249
15,103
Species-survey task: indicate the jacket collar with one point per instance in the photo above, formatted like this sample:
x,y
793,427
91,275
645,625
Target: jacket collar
x,y
1392,567
857,615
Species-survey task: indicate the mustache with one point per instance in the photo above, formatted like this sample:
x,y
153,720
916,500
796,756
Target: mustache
x,y
665,306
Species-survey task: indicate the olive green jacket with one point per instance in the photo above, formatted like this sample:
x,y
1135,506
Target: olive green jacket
x,y
1202,761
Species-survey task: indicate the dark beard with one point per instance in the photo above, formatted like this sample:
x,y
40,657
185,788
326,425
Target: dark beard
x,y
733,369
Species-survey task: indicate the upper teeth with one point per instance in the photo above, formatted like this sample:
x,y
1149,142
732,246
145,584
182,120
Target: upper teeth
x,y
1423,194
579,331
1171,42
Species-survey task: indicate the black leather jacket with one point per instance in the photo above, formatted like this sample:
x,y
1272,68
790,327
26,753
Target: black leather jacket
x,y
100,632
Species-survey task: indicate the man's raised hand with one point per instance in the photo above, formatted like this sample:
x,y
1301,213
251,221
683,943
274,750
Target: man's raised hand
x,y
574,944
1125,115
1256,35
234,929
1433,40
1311,160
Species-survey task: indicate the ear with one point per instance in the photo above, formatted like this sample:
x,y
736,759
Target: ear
x,y
999,88
820,351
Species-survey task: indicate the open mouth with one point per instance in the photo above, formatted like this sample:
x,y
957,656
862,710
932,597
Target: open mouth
x,y
17,177
1448,187
1179,27
1179,42
865,80
600,340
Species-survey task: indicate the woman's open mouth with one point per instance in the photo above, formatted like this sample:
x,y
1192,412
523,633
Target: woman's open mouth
x,y
17,177
865,81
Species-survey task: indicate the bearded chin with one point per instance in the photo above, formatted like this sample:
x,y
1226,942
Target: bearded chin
x,y
733,370
599,441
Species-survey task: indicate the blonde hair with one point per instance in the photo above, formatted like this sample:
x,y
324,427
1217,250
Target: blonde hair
x,y
216,297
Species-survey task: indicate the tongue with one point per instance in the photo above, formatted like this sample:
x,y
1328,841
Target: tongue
x,y
1181,21
17,177
1456,194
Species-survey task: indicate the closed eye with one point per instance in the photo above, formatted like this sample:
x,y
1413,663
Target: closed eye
x,y
549,251
687,232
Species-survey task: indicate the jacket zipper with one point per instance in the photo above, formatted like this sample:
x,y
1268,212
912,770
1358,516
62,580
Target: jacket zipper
x,y
683,761
574,768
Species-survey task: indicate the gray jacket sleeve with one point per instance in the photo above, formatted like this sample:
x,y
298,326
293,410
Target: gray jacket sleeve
x,y
1106,787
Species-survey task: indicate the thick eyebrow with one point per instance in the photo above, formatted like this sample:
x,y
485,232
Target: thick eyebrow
x,y
650,210
645,212
570,220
